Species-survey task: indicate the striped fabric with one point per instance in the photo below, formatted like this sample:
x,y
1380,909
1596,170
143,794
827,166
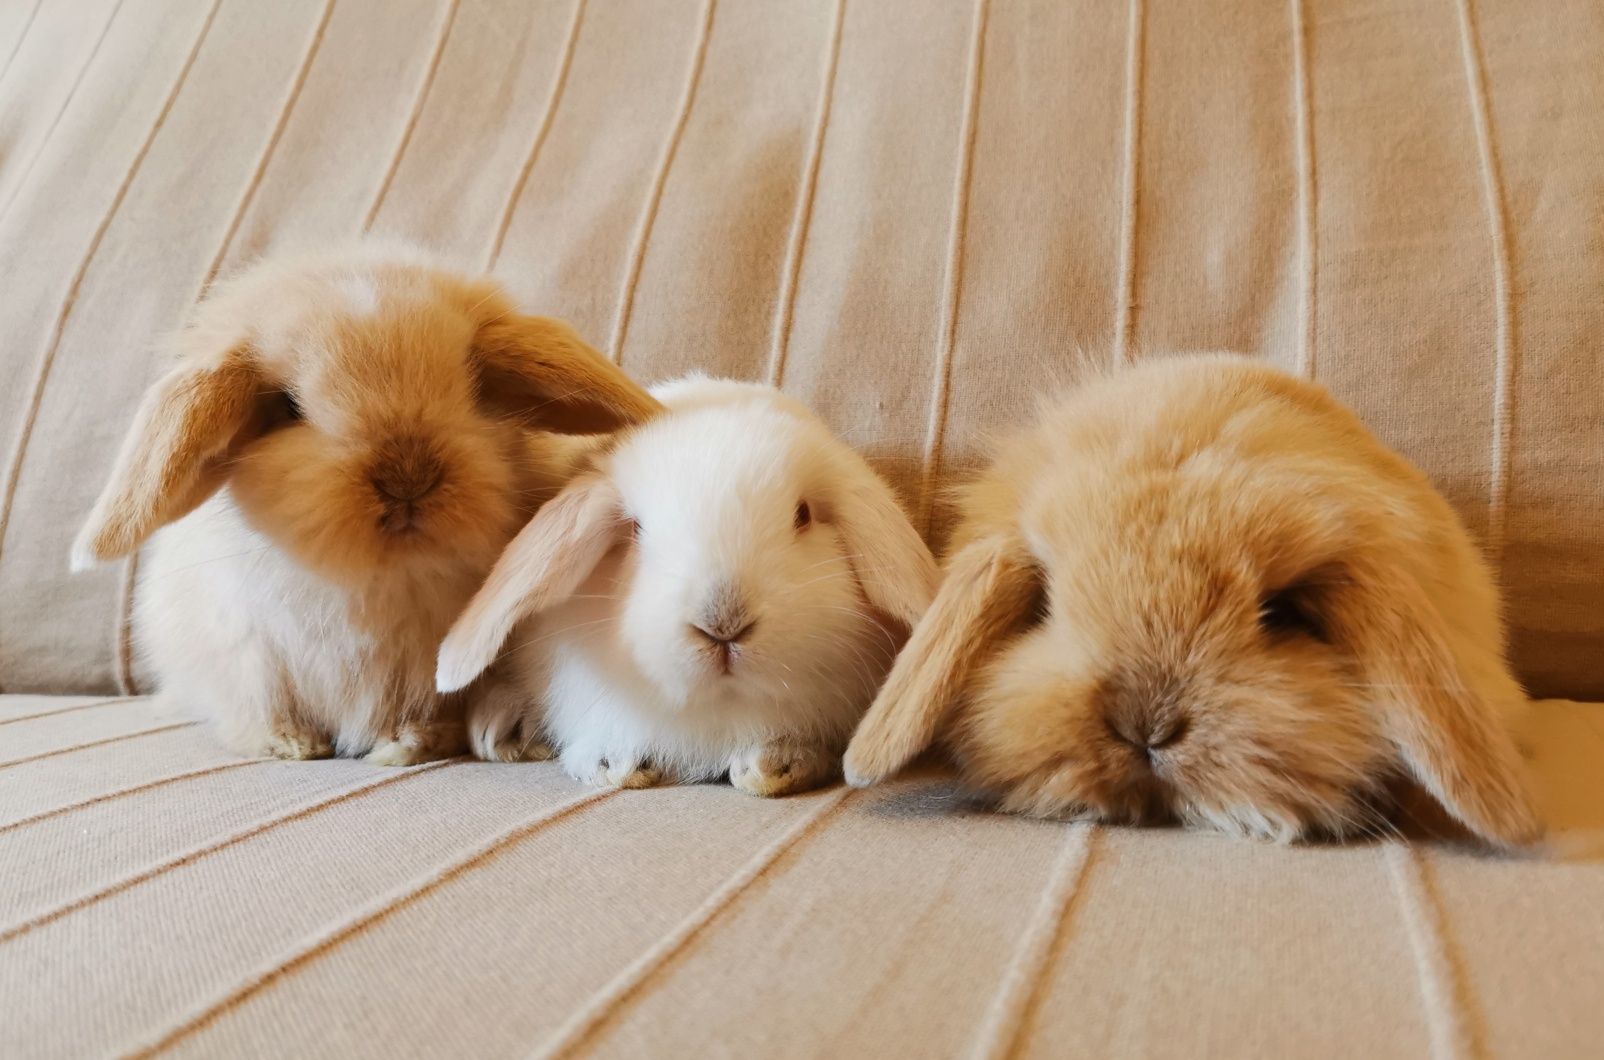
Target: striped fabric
x,y
916,217
162,897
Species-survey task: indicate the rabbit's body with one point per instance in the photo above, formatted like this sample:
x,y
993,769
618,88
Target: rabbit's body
x,y
337,454
719,593
1199,589
280,659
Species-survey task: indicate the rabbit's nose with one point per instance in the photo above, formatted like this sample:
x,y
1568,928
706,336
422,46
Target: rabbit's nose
x,y
1147,733
725,618
1144,712
405,470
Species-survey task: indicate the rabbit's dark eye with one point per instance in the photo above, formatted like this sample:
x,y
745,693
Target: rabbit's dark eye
x,y
632,528
804,515
281,410
1291,611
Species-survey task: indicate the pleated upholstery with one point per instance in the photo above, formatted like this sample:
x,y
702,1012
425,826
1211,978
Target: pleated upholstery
x,y
161,896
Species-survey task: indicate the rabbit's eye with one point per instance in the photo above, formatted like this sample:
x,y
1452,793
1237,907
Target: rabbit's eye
x,y
632,528
282,410
1291,611
804,515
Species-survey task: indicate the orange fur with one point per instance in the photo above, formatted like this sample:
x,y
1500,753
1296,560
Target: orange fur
x,y
1243,612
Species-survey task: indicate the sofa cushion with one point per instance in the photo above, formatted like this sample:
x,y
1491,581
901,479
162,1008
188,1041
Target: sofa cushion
x,y
159,891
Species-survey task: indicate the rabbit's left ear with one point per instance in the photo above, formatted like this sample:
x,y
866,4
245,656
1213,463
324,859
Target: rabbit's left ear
x,y
892,562
540,368
176,452
549,559
1448,732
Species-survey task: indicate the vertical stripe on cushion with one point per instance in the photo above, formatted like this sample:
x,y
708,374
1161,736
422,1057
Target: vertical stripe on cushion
x,y
797,242
952,287
1021,980
1125,303
617,992
1505,350
448,18
208,1011
1453,1029
654,193
35,390
1308,190
554,96
1545,103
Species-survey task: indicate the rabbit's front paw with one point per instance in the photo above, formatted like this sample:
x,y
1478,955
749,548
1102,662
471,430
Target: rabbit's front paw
x,y
298,742
500,731
782,767
411,744
605,769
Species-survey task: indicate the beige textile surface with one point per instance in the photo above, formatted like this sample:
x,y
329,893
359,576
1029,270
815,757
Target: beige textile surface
x,y
156,891
911,215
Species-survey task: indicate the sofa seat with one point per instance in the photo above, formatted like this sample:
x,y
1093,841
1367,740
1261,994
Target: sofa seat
x,y
160,894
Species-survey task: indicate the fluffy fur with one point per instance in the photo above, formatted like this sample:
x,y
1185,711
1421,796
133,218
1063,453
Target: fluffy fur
x,y
1201,590
721,592
342,446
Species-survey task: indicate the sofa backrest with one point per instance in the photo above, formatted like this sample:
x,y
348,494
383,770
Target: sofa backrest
x,y
915,217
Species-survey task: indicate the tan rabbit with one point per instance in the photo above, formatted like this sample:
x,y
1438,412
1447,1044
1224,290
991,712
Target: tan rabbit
x,y
1200,590
342,446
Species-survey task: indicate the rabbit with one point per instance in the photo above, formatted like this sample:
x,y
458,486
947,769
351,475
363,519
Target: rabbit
x,y
720,592
340,449
1199,590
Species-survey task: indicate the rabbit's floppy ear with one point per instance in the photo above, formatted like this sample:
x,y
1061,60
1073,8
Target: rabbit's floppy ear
x,y
989,585
1449,735
174,455
540,367
891,561
544,564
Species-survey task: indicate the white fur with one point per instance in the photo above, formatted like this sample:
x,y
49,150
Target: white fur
x,y
238,630
614,675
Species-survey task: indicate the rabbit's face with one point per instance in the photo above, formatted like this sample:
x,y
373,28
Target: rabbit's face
x,y
1179,665
739,586
373,449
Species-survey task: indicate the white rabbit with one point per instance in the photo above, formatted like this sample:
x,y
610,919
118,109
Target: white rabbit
x,y
343,444
722,591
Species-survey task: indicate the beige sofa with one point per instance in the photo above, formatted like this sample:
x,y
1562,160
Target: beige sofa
x,y
916,217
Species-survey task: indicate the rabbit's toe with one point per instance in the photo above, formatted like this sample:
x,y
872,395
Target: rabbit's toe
x,y
782,767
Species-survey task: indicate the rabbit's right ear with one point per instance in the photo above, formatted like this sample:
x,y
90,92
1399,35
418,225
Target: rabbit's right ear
x,y
540,368
989,586
174,455
544,564
1449,733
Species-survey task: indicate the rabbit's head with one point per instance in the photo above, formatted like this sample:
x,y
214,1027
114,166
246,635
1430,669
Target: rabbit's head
x,y
753,556
367,411
1200,591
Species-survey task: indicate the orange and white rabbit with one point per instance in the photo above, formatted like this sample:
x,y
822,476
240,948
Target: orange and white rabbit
x,y
338,452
